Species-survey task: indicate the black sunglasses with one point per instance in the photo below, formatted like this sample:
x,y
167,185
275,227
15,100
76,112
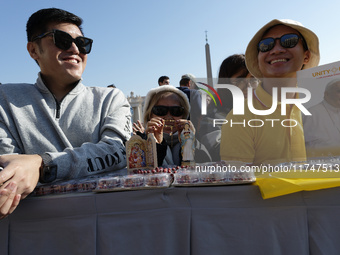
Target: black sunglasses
x,y
286,41
161,110
64,41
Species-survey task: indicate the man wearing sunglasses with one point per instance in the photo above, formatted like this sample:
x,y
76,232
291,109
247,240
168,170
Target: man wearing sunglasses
x,y
57,128
274,55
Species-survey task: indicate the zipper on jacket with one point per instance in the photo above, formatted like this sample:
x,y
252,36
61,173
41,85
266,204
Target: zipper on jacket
x,y
57,104
58,109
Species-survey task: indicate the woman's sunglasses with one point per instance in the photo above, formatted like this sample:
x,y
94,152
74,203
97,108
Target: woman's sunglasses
x,y
64,41
286,41
161,110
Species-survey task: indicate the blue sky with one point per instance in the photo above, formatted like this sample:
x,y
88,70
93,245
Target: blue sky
x,y
135,42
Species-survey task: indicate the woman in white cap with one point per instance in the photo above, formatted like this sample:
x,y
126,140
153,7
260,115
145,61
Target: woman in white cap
x,y
278,50
166,111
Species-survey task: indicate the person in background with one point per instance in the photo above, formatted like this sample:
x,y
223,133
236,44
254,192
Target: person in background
x,y
233,70
57,128
165,114
195,100
184,85
274,55
322,128
163,80
192,78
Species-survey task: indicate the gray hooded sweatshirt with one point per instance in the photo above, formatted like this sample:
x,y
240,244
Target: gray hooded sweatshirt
x,y
82,135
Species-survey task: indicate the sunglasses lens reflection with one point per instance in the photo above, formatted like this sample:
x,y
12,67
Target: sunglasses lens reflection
x,y
289,41
286,41
266,44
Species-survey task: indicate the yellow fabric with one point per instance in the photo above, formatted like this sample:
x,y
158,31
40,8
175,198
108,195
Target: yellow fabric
x,y
278,184
272,143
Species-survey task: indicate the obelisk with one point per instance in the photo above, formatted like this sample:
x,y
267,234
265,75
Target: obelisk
x,y
208,60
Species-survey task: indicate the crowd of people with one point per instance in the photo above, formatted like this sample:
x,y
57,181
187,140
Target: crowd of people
x,y
58,128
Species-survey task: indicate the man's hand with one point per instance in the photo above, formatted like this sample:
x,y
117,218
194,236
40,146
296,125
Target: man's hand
x,y
9,200
18,179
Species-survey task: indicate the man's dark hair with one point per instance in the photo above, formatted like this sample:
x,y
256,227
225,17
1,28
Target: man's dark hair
x,y
162,78
184,82
39,21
